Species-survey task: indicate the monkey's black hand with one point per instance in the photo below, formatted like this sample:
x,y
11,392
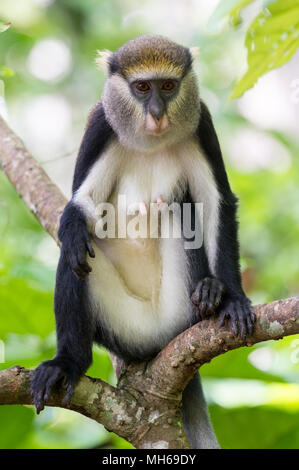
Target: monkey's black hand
x,y
238,310
207,296
48,374
75,245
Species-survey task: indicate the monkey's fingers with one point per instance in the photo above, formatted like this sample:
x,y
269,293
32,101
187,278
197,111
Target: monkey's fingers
x,y
82,271
45,376
90,248
38,401
196,296
70,387
217,293
240,313
79,265
224,315
250,319
208,295
205,306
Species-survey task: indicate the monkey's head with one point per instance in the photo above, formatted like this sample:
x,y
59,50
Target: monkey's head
x,y
151,95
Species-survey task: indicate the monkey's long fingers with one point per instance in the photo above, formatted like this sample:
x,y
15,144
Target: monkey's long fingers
x,y
196,296
205,305
234,319
54,376
241,320
81,268
90,248
229,313
218,293
37,389
250,319
43,380
81,272
70,387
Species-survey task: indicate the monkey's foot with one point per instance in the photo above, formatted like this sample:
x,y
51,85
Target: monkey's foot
x,y
239,311
47,375
207,296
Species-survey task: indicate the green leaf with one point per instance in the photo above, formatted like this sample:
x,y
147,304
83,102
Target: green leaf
x,y
2,88
236,11
255,428
235,364
231,8
6,72
16,426
4,26
271,40
24,309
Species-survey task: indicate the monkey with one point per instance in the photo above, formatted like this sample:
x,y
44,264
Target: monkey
x,y
151,139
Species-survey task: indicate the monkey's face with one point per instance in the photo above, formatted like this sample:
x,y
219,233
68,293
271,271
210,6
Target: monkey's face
x,y
154,95
149,110
151,96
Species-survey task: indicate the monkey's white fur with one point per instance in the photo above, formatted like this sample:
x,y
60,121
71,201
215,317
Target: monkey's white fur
x,y
141,287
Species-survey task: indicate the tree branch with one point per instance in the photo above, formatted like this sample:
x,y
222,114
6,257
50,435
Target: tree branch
x,y
39,193
145,407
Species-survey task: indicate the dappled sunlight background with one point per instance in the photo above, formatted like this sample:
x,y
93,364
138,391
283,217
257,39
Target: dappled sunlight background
x,y
253,392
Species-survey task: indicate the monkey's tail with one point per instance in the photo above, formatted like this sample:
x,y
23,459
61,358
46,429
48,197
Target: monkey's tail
x,y
196,418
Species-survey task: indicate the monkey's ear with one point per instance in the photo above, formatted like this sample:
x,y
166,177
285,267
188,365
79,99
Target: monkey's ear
x,y
102,59
194,51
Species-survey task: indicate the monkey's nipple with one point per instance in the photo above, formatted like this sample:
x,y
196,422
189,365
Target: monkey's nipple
x,y
142,208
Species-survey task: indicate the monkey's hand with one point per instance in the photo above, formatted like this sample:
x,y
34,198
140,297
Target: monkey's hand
x,y
48,374
75,245
207,296
238,310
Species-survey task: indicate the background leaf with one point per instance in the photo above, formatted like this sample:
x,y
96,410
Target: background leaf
x,y
271,40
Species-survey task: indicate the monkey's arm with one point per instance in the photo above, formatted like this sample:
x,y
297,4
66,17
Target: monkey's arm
x,y
74,322
224,261
80,213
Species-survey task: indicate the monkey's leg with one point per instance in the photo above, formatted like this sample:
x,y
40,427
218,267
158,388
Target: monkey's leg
x,y
74,327
207,296
195,416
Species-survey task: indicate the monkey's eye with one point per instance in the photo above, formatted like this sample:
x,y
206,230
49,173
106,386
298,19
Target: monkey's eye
x,y
142,86
168,85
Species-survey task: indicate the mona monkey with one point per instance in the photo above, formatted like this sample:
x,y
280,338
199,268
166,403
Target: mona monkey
x,y
149,138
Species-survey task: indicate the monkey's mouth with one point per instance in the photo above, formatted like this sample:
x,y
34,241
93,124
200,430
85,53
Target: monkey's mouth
x,y
156,132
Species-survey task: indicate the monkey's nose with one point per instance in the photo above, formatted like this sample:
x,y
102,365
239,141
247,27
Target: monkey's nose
x,y
157,119
155,125
156,108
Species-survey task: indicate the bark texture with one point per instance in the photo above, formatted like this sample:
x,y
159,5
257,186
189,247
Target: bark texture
x,y
144,408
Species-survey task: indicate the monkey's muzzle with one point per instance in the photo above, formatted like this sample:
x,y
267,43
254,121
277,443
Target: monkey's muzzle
x,y
156,126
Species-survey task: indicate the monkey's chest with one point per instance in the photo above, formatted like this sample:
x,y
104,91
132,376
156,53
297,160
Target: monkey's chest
x,y
136,225
139,278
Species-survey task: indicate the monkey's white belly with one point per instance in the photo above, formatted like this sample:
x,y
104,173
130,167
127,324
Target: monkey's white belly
x,y
140,293
141,290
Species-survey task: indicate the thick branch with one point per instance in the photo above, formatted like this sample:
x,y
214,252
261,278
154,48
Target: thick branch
x,y
117,409
198,345
39,193
93,398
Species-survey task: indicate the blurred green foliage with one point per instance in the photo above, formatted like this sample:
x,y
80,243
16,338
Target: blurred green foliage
x,y
271,40
253,392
